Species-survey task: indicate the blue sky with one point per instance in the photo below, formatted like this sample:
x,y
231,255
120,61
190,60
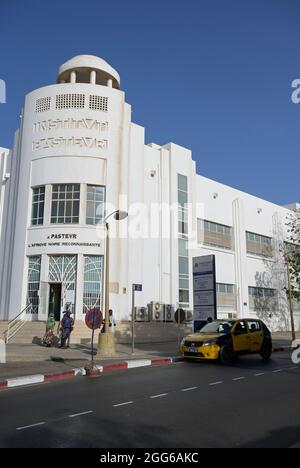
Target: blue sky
x,y
212,75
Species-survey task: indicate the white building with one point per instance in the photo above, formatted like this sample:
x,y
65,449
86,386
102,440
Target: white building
x,y
78,148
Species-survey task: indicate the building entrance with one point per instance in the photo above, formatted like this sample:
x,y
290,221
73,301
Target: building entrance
x,y
55,300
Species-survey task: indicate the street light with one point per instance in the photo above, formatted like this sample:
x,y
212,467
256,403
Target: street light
x,y
106,342
287,260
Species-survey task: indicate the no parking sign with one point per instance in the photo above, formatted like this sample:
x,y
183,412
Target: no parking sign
x,y
93,318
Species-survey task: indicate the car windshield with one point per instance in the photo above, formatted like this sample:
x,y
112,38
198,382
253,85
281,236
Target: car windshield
x,y
217,327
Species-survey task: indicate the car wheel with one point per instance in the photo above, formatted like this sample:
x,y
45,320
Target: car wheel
x,y
226,354
266,351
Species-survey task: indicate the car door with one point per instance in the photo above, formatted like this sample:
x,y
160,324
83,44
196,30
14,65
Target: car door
x,y
240,337
256,335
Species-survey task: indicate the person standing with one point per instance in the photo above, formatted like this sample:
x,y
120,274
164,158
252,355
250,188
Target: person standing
x,y
66,327
112,322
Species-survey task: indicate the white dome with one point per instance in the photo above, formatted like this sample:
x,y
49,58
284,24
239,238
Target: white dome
x,y
83,64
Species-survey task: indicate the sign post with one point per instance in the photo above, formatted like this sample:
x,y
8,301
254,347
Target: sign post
x,y
135,287
204,287
93,320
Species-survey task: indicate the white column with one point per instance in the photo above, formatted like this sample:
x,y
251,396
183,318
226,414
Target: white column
x,y
47,206
93,77
83,203
73,77
79,286
44,288
240,258
109,83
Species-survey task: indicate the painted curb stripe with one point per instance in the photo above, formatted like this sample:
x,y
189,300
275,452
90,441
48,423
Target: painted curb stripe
x,y
138,363
157,362
27,380
61,375
39,378
113,367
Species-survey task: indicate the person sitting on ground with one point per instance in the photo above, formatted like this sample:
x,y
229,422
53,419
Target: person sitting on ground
x,y
48,338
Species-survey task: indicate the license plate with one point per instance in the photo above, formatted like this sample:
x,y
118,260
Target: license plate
x,y
192,350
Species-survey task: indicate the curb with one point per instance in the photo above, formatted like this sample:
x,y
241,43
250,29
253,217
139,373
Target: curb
x,y
40,378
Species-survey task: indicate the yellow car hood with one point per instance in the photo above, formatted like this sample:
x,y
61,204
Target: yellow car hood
x,y
203,336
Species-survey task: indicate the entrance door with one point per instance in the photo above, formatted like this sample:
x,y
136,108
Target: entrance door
x,y
55,300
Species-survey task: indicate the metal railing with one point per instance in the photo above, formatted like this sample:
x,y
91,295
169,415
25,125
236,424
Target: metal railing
x,y
15,325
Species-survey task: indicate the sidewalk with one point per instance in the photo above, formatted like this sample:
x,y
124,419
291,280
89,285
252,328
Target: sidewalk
x,y
27,359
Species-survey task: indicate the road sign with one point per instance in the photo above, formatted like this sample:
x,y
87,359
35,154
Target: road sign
x,y
137,287
179,316
93,318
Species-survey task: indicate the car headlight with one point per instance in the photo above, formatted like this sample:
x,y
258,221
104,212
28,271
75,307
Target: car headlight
x,y
209,342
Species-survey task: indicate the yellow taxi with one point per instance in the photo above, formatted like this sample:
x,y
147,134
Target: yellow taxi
x,y
226,339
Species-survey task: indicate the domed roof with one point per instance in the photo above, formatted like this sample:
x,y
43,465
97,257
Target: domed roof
x,y
79,63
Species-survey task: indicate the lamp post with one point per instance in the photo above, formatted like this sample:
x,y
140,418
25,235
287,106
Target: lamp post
x,y
287,260
106,342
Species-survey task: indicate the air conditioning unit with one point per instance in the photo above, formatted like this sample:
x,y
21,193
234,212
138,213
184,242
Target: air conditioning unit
x,y
156,311
169,313
141,314
189,315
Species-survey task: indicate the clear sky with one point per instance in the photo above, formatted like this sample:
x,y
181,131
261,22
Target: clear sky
x,y
211,75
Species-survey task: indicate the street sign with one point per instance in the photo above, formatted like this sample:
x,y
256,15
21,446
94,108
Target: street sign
x,y
93,318
204,286
179,316
137,287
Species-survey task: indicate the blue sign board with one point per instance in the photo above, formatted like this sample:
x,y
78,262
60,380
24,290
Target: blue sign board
x,y
137,287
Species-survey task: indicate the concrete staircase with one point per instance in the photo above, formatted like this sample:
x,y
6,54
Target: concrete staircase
x,y
145,332
3,328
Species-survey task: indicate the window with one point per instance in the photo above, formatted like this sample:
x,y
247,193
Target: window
x,y
214,234
38,204
65,204
95,204
43,104
259,245
183,255
241,328
33,282
70,101
254,326
226,297
225,288
98,103
92,288
262,299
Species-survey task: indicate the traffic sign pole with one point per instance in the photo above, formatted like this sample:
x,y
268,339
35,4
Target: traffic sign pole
x,y
135,287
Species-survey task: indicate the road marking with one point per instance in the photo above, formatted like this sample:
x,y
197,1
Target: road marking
x,y
79,414
31,425
188,389
277,370
159,396
239,378
123,404
258,375
216,383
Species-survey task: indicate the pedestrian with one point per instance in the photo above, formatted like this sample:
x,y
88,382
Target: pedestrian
x,y
112,322
66,327
48,337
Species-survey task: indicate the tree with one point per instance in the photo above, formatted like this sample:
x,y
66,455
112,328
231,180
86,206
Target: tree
x,y
292,252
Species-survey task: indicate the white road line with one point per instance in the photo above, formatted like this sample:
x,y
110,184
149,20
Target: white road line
x,y
239,378
123,404
215,383
258,375
188,389
79,414
31,425
277,370
293,367
159,396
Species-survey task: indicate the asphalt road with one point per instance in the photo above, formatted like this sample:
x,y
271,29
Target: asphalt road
x,y
249,404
